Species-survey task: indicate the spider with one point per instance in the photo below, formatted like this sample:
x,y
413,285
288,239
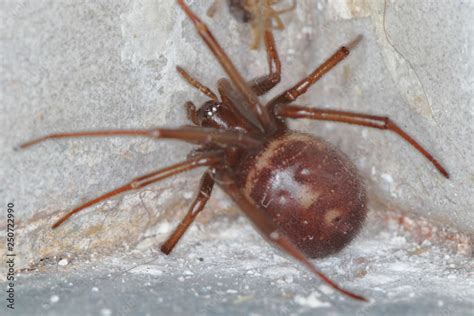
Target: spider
x,y
258,13
302,194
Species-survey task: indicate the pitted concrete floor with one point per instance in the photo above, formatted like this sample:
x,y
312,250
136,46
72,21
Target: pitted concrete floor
x,y
229,270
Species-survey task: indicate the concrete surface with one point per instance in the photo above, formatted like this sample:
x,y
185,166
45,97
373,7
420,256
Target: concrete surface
x,y
227,269
89,65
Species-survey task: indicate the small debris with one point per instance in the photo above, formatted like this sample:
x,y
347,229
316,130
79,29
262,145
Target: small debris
x,y
326,289
63,262
311,301
147,269
54,299
243,299
105,312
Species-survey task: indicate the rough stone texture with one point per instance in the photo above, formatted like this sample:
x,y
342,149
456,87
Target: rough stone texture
x,y
227,269
70,65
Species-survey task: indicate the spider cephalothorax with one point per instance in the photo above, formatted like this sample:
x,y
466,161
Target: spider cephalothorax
x,y
301,193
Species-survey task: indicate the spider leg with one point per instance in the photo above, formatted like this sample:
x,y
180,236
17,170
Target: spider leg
x,y
270,231
285,10
191,112
257,109
198,135
196,84
274,15
204,193
145,180
213,8
303,85
263,84
380,122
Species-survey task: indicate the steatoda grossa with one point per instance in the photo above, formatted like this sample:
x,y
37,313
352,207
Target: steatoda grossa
x,y
289,184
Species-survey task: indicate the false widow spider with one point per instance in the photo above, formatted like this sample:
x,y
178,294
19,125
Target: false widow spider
x,y
303,195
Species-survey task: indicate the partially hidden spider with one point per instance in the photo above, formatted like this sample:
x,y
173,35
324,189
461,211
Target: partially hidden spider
x,y
258,13
302,194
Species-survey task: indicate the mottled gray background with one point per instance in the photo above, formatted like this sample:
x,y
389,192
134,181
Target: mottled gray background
x,y
78,65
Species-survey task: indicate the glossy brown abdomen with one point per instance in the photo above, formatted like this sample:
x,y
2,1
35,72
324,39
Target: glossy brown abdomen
x,y
310,189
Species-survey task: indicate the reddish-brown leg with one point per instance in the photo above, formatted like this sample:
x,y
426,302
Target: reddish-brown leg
x,y
260,112
380,122
196,84
147,179
262,85
199,135
191,112
270,231
204,193
302,86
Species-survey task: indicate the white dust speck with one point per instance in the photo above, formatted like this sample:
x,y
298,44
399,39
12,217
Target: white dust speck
x,y
164,228
54,299
326,289
105,312
187,272
373,171
63,262
307,30
274,235
399,267
147,269
181,279
364,133
230,291
311,301
388,178
95,289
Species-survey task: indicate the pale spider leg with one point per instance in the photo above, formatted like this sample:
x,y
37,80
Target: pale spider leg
x,y
380,122
198,135
213,8
270,231
145,180
276,14
259,111
203,195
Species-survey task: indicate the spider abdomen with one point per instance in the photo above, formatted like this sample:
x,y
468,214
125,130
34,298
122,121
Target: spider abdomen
x,y
310,190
